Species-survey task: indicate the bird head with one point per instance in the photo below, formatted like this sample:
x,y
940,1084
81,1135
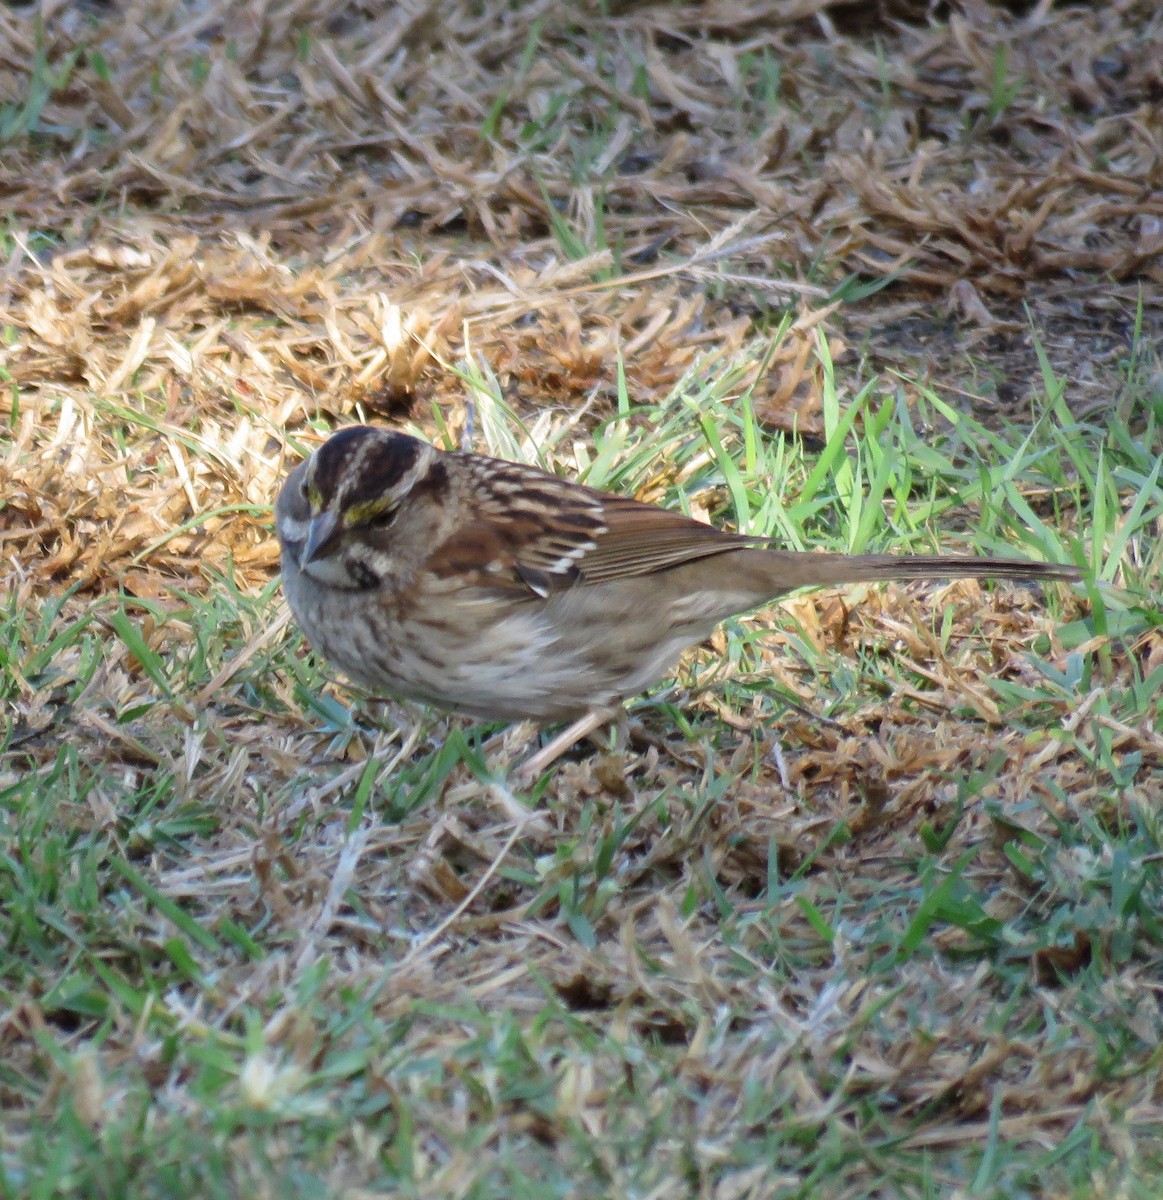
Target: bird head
x,y
353,482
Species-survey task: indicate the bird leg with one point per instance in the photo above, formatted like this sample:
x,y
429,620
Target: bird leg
x,y
567,739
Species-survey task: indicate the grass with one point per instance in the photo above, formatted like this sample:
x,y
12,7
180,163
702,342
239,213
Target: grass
x,y
261,935
221,967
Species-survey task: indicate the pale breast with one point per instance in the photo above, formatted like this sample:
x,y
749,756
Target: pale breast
x,y
472,651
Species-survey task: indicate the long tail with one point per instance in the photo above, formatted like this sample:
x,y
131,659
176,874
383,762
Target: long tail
x,y
793,570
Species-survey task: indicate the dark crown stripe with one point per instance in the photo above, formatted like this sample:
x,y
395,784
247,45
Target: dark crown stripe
x,y
359,464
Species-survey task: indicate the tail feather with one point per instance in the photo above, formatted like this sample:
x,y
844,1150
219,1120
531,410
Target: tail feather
x,y
794,570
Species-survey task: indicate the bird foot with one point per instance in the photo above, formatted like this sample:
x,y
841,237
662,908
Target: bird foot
x,y
569,737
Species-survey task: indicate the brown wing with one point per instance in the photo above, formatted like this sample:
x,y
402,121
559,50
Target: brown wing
x,y
641,538
540,533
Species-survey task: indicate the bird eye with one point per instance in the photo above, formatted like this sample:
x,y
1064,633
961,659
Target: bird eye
x,y
303,487
381,520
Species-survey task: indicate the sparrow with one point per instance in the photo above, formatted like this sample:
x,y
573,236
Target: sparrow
x,y
496,589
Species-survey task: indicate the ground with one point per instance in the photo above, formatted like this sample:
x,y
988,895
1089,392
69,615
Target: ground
x,y
878,276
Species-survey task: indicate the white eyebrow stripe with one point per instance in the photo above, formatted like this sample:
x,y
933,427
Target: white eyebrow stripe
x,y
417,471
425,456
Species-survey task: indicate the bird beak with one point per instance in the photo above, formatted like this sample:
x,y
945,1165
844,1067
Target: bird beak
x,y
322,533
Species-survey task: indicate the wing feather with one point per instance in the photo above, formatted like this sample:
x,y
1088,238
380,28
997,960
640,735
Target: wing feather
x,y
540,534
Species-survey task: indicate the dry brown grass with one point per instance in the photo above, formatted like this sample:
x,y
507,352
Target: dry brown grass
x,y
231,226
